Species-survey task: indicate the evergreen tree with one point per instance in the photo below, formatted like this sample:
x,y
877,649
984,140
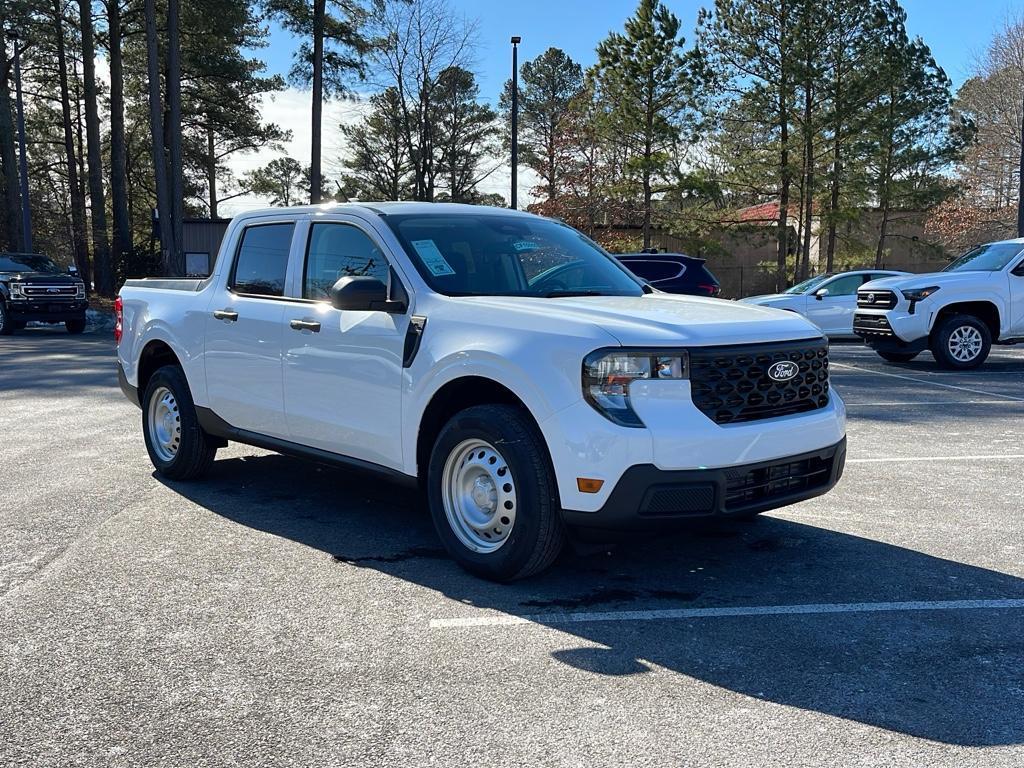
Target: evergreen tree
x,y
330,55
654,87
547,86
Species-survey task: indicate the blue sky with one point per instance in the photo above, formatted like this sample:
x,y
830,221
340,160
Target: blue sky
x,y
954,29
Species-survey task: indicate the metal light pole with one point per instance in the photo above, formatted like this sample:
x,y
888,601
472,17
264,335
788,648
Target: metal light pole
x,y
26,213
515,122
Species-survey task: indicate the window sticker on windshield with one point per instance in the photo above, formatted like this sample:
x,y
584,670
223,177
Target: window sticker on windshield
x,y
525,245
432,257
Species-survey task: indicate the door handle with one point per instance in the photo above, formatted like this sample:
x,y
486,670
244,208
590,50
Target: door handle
x,y
225,314
305,325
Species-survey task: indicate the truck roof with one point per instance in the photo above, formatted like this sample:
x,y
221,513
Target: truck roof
x,y
386,208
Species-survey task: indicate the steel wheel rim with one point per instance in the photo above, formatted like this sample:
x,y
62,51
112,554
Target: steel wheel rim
x,y
479,496
164,424
965,343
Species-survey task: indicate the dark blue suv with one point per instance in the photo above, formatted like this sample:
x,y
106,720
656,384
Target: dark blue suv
x,y
672,272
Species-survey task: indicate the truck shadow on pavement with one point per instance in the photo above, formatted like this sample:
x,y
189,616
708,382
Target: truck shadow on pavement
x,y
951,676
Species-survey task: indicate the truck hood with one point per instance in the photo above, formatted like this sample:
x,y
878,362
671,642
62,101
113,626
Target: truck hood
x,y
39,277
768,299
927,279
660,319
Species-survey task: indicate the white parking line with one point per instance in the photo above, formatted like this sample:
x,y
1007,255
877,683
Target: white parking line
x,y
898,459
925,381
506,620
931,402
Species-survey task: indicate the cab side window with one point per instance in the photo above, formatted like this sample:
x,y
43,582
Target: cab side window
x,y
844,286
262,260
336,251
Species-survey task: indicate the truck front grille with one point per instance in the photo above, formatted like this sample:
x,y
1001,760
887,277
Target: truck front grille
x,y
871,325
50,292
731,384
876,299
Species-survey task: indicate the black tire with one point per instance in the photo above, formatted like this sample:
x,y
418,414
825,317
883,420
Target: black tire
x,y
944,331
537,534
897,357
75,327
195,450
7,325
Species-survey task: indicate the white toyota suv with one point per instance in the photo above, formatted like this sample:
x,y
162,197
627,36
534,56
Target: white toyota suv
x,y
958,313
503,361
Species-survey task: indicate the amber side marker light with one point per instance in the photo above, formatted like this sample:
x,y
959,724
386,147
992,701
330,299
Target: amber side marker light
x,y
588,484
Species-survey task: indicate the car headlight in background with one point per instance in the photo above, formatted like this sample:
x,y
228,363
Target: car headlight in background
x,y
607,374
919,294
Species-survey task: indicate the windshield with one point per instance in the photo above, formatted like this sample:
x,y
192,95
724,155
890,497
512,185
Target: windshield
x,y
987,258
27,262
806,285
494,255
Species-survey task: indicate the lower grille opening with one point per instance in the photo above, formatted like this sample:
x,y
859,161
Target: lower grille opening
x,y
778,480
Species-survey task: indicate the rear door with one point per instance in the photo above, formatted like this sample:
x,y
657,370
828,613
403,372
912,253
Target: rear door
x,y
1016,278
244,329
343,369
834,313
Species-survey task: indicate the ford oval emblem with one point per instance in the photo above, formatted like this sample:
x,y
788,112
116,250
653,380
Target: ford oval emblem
x,y
784,370
53,290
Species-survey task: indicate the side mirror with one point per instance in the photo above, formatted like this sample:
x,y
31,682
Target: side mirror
x,y
72,270
1018,271
366,294
821,293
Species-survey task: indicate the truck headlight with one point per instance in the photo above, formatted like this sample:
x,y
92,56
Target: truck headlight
x,y
914,295
16,291
607,374
80,291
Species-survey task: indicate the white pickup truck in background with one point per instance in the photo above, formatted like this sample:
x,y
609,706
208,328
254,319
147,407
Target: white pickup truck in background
x,y
976,301
523,377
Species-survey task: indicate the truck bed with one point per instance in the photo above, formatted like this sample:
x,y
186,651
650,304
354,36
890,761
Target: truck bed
x,y
189,284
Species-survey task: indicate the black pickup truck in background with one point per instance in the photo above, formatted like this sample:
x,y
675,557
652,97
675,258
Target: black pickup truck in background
x,y
33,288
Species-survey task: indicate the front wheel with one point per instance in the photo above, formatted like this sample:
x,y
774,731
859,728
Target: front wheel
x,y
961,342
7,325
177,445
492,494
897,357
75,326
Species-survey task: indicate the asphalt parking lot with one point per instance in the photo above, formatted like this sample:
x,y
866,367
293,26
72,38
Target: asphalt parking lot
x,y
286,614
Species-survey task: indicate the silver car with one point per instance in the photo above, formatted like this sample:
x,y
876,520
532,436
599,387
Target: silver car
x,y
828,300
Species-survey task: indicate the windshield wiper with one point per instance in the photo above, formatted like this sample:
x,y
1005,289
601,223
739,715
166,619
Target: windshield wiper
x,y
563,292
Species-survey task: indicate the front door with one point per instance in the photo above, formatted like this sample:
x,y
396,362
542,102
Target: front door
x,y
244,331
833,313
343,369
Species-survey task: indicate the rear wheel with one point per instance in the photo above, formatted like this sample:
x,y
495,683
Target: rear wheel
x,y
75,326
7,325
898,357
177,445
961,342
492,494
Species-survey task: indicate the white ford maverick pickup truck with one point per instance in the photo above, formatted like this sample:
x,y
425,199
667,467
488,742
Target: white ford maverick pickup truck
x,y
528,382
958,313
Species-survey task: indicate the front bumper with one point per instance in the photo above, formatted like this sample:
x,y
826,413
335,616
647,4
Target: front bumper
x,y
647,497
31,310
898,326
